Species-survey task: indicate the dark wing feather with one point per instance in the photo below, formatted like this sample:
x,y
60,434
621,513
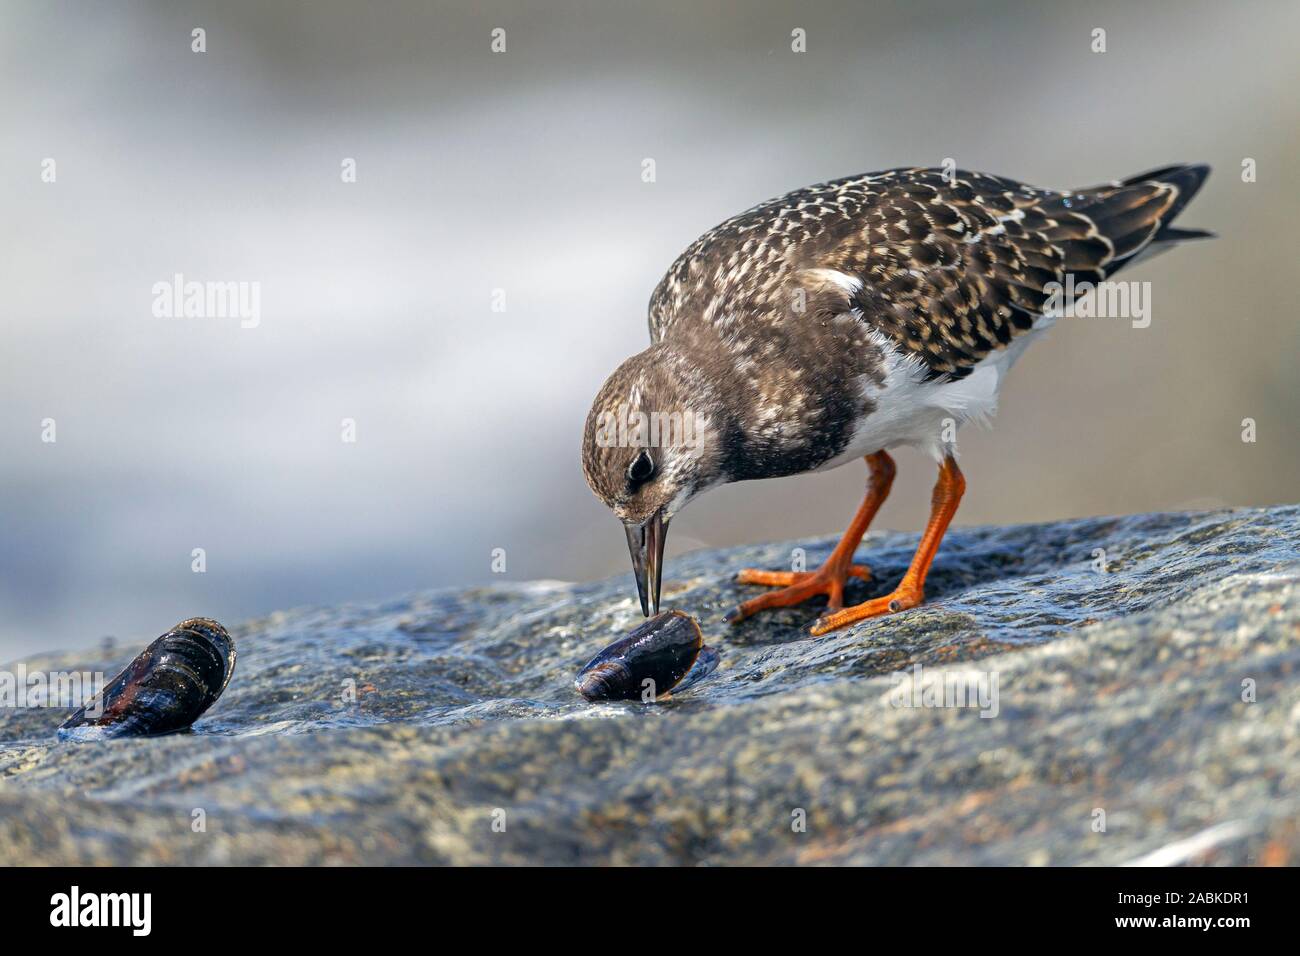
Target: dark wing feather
x,y
949,268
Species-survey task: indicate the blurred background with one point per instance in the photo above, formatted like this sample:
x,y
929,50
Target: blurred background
x,y
521,171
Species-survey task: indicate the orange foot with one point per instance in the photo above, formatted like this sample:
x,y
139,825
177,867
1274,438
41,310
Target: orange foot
x,y
902,599
797,587
911,590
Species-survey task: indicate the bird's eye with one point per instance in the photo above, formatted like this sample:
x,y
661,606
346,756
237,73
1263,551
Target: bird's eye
x,y
642,467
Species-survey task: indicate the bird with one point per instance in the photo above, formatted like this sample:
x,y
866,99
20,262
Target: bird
x,y
838,322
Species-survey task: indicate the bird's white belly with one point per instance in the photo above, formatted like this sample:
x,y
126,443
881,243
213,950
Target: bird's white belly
x,y
926,414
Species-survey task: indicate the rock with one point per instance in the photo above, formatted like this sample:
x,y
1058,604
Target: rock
x,y
411,731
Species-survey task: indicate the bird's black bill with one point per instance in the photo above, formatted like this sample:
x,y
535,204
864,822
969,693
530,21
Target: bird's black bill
x,y
645,542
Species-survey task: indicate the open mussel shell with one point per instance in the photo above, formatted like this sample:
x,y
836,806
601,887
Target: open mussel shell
x,y
168,687
649,662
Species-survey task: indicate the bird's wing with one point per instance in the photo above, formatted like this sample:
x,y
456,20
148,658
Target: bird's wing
x,y
949,267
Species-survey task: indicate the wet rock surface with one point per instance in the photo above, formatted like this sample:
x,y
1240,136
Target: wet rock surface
x,y
410,731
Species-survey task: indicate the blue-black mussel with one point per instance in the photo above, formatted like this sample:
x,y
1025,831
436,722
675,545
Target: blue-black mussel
x,y
168,687
664,653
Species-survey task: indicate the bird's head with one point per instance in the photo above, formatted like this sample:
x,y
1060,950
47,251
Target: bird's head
x,y
647,450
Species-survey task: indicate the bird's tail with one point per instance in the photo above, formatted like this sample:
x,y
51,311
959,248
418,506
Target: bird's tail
x,y
1188,180
1133,218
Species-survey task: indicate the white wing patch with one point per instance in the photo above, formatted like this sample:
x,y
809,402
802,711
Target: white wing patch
x,y
841,280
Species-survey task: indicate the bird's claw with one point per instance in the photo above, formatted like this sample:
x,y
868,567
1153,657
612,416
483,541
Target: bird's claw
x,y
795,587
903,598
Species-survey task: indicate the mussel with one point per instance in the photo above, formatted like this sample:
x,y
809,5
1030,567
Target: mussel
x,y
168,687
649,662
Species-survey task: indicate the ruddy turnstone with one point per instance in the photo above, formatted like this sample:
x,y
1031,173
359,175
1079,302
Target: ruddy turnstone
x,y
840,321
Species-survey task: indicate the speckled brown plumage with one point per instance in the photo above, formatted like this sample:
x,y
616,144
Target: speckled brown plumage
x,y
841,321
948,268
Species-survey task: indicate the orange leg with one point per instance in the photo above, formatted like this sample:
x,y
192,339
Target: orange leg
x,y
911,590
799,586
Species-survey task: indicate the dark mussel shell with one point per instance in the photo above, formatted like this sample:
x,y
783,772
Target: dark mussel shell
x,y
661,651
168,687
